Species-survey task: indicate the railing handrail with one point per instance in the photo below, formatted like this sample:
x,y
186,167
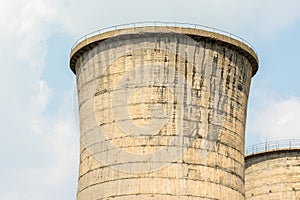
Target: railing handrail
x,y
160,23
272,145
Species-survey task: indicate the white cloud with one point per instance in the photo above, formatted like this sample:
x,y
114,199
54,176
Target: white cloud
x,y
44,95
39,151
278,119
247,18
42,156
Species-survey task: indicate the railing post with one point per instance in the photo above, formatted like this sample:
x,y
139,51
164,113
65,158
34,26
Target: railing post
x,y
266,146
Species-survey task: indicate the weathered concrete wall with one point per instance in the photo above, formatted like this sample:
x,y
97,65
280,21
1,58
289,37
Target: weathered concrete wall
x,y
273,175
162,116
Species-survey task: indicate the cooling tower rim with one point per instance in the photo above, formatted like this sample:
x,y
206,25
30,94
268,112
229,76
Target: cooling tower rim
x,y
270,155
270,146
90,40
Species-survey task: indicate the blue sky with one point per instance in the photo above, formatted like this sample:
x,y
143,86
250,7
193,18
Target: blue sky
x,y
40,143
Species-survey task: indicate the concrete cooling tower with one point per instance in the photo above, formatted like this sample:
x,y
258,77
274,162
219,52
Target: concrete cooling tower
x,y
162,112
273,171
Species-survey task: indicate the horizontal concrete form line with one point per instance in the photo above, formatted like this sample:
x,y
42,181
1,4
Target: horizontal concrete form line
x,y
151,195
167,178
90,145
178,162
274,184
97,127
165,195
264,194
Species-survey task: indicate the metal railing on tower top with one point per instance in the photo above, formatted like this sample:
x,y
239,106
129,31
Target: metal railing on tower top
x,y
272,145
162,24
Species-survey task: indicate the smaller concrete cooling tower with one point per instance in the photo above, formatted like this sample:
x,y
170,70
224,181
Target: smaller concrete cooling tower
x,y
273,171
